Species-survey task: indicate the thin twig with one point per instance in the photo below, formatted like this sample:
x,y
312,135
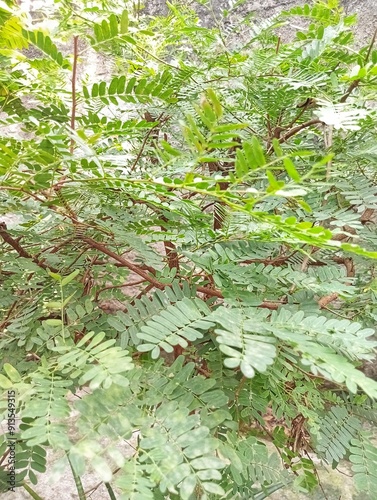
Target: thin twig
x,y
22,190
295,130
276,261
143,144
130,265
111,287
20,250
302,108
143,292
356,83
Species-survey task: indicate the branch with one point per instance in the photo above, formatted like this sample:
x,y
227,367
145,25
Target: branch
x,y
130,265
20,250
119,264
22,190
276,261
161,286
350,89
295,130
143,144
291,132
111,287
170,249
348,263
371,45
5,321
303,107
356,83
211,292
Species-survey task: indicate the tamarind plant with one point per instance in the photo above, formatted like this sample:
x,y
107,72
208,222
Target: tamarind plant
x,y
188,248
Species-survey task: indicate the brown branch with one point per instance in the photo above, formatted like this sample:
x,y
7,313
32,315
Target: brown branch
x,y
22,190
348,264
278,45
273,306
74,97
143,144
153,282
119,264
5,321
130,265
211,292
4,456
276,261
218,209
350,89
239,388
143,292
20,250
170,249
171,254
356,83
303,107
295,130
371,45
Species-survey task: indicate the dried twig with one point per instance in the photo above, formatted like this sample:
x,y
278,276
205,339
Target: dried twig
x,y
325,301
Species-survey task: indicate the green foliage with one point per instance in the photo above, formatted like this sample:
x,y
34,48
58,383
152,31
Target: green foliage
x,y
45,44
187,258
142,90
176,325
363,455
336,431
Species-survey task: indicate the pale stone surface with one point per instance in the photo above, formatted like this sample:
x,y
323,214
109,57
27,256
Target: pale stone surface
x,y
264,9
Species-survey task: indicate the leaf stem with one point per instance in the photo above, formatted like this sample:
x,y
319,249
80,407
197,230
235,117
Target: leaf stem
x,y
78,483
31,492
